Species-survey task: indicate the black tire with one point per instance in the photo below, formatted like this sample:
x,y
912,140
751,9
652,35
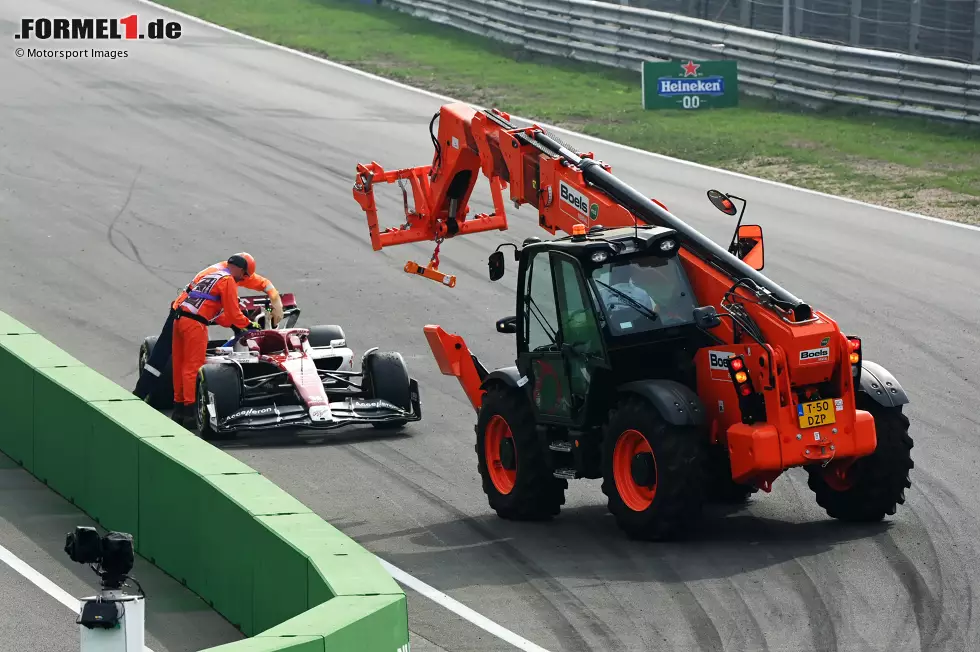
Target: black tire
x,y
536,494
387,376
876,484
720,487
222,381
162,396
322,335
678,472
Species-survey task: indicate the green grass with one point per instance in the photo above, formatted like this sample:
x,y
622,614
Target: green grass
x,y
906,163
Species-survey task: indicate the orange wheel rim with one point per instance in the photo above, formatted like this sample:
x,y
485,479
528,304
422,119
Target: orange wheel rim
x,y
636,496
497,434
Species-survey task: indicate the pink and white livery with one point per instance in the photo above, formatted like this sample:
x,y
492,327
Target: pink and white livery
x,y
297,378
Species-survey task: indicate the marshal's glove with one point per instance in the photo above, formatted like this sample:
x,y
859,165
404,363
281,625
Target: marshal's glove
x,y
252,326
276,311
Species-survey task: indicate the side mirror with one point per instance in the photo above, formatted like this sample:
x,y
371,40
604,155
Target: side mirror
x,y
748,246
706,317
507,324
722,202
496,264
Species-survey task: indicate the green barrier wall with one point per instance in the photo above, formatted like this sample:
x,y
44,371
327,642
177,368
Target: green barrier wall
x,y
280,573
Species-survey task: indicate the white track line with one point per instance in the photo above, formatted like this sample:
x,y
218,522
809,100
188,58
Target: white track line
x,y
437,596
608,143
39,580
43,582
461,610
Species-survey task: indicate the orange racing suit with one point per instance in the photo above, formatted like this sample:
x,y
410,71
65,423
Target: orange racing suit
x,y
212,298
161,353
255,282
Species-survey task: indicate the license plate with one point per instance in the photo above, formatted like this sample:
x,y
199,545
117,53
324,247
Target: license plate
x,y
816,413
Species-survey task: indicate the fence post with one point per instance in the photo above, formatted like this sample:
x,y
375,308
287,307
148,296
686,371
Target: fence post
x,y
915,20
787,17
976,33
855,39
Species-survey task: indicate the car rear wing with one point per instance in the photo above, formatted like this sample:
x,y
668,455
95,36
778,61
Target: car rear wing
x,y
257,308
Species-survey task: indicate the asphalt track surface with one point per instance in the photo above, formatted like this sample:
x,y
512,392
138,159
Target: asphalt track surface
x,y
33,523
120,179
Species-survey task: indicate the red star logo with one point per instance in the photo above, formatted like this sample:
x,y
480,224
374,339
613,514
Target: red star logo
x,y
690,68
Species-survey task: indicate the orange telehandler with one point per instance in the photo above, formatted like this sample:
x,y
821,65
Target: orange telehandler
x,y
646,354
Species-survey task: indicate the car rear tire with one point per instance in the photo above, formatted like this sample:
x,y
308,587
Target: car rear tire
x,y
387,376
323,334
162,396
224,383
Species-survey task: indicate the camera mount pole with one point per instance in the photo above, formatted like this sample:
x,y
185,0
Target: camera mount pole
x,y
112,622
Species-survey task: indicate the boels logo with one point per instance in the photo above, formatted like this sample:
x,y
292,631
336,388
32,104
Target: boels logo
x,y
815,355
578,201
718,360
718,365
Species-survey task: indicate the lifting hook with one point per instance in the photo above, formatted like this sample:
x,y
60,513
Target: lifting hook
x,y
431,271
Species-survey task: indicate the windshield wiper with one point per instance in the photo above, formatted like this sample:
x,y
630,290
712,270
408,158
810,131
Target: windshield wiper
x,y
633,302
542,320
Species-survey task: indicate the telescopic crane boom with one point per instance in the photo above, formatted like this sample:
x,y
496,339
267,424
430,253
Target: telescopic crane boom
x,y
566,187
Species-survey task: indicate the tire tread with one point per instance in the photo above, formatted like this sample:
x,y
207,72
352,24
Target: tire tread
x,y
885,474
680,453
537,493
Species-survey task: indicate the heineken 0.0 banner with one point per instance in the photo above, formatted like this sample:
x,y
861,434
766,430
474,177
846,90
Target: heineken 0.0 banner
x,y
690,84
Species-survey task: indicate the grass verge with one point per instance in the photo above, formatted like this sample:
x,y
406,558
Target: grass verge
x,y
906,163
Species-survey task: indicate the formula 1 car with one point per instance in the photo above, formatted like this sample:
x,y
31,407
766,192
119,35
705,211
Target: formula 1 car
x,y
291,377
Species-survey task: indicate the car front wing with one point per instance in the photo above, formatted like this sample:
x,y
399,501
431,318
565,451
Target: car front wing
x,y
335,414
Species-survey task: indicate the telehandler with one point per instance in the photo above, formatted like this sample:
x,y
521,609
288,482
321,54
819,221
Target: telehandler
x,y
647,355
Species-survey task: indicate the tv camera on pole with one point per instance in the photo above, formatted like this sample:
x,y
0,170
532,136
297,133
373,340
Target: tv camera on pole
x,y
113,620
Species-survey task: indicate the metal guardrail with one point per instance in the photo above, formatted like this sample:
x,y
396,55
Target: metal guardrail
x,y
770,65
941,29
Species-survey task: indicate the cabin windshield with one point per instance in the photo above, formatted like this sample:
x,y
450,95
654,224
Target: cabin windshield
x,y
643,293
